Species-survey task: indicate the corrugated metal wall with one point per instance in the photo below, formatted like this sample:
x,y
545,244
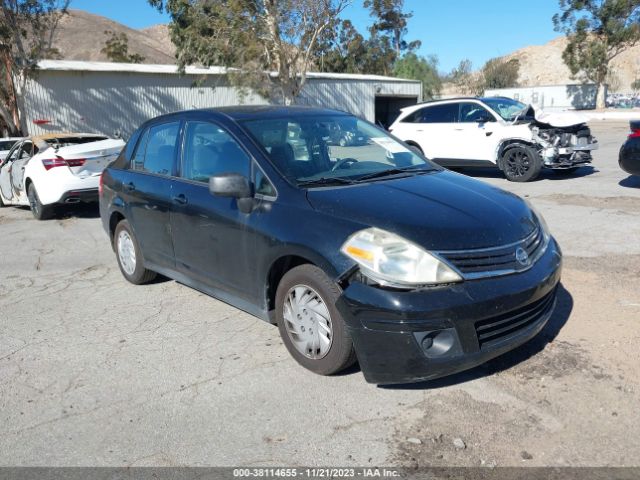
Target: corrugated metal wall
x,y
110,102
356,97
552,97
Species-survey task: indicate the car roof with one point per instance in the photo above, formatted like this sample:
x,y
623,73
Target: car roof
x,y
251,112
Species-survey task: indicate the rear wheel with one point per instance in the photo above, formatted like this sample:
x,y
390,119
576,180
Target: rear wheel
x,y
129,255
310,325
39,211
521,164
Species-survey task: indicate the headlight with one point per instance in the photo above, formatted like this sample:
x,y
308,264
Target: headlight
x,y
392,260
541,221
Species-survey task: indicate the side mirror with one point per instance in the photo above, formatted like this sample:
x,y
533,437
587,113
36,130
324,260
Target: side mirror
x,y
230,185
235,186
484,119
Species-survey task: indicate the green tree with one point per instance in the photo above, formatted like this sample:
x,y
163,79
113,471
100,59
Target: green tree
x,y
116,48
268,45
500,73
391,21
27,28
419,68
463,78
597,32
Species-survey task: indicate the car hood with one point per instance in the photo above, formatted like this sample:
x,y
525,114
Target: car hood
x,y
439,211
555,119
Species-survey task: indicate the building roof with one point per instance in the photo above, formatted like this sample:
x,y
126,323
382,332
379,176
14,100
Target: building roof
x,y
78,66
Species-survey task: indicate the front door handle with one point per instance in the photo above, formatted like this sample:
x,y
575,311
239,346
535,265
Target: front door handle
x,y
129,187
180,199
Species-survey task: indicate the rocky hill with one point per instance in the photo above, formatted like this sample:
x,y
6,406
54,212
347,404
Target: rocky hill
x,y
543,65
80,36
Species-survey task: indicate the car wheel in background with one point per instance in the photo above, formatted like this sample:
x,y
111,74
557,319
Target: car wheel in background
x,y
39,211
416,149
129,255
310,325
521,164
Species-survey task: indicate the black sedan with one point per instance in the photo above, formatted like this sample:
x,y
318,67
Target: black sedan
x,y
629,158
366,252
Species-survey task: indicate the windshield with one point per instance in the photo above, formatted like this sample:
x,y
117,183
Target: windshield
x,y
332,149
505,107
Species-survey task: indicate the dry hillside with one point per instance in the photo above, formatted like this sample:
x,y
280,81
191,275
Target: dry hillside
x,y
81,36
543,65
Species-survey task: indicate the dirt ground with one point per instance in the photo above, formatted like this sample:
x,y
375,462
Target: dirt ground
x,y
94,371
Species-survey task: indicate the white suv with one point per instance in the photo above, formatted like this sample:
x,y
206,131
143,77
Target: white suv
x,y
496,131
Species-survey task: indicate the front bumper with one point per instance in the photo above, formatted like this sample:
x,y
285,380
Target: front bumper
x,y
389,327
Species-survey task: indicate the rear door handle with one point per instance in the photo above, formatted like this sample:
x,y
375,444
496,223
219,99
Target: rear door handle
x,y
129,187
180,199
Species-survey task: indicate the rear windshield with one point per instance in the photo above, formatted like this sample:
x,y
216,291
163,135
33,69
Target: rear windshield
x,y
68,141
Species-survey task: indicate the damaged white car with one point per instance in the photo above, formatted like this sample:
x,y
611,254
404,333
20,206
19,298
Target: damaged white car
x,y
498,131
43,171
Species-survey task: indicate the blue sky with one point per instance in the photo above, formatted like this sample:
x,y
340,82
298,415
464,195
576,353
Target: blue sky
x,y
453,30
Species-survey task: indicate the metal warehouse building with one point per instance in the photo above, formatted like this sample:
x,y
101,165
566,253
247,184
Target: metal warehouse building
x,y
117,97
552,97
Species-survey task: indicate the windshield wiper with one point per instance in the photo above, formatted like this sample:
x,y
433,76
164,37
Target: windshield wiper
x,y
326,181
394,171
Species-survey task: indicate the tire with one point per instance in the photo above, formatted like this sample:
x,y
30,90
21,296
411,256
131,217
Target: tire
x,y
132,267
39,211
416,149
308,286
521,164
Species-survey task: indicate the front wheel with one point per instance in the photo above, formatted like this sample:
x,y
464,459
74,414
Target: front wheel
x,y
39,211
129,255
310,325
521,164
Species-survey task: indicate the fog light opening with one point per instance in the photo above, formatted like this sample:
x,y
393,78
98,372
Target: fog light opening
x,y
438,343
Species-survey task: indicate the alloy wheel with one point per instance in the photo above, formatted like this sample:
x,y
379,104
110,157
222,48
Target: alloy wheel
x,y
517,163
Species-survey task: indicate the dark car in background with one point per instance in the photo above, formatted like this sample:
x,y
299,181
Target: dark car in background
x,y
629,158
364,252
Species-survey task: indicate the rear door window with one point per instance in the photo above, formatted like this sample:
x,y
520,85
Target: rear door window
x,y
159,149
446,113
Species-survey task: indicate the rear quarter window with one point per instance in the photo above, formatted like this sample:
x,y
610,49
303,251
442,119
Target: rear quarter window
x,y
156,150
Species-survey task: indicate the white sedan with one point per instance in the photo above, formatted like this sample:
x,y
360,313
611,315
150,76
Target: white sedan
x,y
43,171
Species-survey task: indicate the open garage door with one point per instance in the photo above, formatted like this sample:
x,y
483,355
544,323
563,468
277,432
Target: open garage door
x,y
388,108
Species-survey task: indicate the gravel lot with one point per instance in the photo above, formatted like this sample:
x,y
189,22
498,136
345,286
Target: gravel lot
x,y
94,371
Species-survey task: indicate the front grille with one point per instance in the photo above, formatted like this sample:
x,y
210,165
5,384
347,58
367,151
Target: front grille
x,y
499,260
492,330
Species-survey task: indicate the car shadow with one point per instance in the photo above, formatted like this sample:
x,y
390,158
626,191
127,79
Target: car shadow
x,y
490,172
632,181
508,360
77,210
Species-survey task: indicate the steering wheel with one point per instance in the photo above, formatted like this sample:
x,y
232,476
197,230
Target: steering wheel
x,y
343,161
